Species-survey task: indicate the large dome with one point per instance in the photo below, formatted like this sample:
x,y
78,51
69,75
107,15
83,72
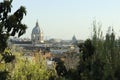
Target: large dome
x,y
37,35
36,29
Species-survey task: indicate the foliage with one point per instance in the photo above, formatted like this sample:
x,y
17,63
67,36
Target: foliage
x,y
61,69
71,60
26,70
10,24
103,63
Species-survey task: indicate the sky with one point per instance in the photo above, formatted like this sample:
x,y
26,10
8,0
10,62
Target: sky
x,y
62,19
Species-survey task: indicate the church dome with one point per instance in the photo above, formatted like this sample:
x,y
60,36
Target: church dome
x,y
74,40
36,29
37,35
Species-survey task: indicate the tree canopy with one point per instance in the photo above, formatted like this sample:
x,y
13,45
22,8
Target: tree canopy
x,y
10,24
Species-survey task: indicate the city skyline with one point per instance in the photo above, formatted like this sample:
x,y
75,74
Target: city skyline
x,y
64,18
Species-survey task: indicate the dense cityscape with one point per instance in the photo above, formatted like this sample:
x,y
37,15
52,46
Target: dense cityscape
x,y
37,43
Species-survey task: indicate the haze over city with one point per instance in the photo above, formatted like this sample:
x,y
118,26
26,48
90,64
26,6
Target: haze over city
x,y
64,18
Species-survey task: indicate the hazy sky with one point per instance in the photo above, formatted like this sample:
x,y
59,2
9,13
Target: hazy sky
x,y
64,18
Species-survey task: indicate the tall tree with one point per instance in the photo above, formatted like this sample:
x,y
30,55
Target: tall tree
x,y
10,25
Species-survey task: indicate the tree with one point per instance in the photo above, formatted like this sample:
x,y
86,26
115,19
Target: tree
x,y
10,25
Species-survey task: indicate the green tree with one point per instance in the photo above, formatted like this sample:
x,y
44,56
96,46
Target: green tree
x,y
10,25
29,70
